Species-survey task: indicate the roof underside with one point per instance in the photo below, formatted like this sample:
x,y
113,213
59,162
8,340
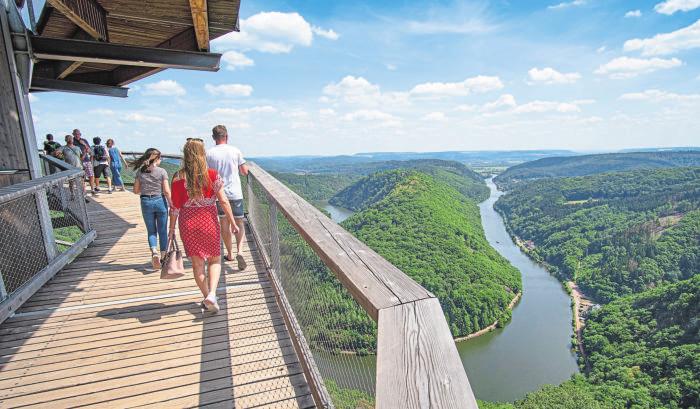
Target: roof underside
x,y
162,24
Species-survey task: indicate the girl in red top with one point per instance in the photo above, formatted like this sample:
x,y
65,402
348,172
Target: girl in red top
x,y
194,192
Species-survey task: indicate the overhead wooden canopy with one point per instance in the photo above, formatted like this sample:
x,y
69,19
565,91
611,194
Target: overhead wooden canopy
x,y
112,43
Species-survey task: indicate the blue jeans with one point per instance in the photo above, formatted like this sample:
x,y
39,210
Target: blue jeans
x,y
116,175
155,214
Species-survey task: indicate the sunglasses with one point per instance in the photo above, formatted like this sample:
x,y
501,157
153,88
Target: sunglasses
x,y
195,139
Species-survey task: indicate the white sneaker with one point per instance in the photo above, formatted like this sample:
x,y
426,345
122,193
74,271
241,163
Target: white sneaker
x,y
211,304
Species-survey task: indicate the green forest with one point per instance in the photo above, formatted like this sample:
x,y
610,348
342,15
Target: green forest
x,y
644,352
594,164
614,234
316,187
442,244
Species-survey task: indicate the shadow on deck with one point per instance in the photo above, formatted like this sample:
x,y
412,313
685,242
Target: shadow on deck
x,y
107,332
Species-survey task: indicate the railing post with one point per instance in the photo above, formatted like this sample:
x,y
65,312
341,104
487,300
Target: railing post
x,y
3,290
42,205
274,239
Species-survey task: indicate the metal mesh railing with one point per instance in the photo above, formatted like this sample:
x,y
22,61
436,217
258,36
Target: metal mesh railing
x,y
40,219
336,333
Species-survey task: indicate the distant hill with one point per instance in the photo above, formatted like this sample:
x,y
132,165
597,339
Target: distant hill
x,y
455,174
594,164
348,163
427,229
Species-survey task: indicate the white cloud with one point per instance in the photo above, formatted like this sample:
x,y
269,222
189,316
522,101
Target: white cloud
x,y
102,112
655,95
234,60
273,32
601,49
669,7
567,4
231,112
327,34
229,90
391,67
466,108
633,13
504,101
626,67
139,117
32,97
373,115
326,112
470,26
549,75
584,101
435,117
478,84
547,106
359,91
667,43
164,88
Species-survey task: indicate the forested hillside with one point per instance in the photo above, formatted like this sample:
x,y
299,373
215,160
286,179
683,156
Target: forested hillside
x,y
454,174
595,164
314,187
614,234
442,244
644,352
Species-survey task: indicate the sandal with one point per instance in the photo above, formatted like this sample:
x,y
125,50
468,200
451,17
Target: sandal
x,y
229,259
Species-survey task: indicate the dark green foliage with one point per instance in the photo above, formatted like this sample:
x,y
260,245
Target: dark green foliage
x,y
454,174
614,234
441,246
576,393
316,188
348,398
594,164
644,350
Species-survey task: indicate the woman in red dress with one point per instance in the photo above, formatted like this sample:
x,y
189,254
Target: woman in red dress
x,y
194,192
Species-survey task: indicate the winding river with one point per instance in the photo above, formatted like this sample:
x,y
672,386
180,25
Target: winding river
x,y
535,347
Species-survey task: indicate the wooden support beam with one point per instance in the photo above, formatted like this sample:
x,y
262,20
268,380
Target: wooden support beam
x,y
49,84
66,68
89,15
44,48
200,20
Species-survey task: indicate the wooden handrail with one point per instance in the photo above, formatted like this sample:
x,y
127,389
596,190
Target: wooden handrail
x,y
418,365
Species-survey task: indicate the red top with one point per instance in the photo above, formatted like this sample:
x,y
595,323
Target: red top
x,y
179,190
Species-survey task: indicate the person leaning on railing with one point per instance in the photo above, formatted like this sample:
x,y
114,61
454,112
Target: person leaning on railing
x,y
196,189
151,183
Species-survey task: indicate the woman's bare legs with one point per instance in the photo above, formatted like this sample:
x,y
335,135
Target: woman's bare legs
x,y
214,272
199,276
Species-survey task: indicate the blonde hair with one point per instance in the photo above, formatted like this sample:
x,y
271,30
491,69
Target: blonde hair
x,y
194,169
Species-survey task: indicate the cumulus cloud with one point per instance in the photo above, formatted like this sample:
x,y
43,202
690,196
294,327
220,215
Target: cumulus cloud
x,y
633,14
359,91
655,95
549,75
139,117
626,67
102,112
567,4
669,7
273,32
326,112
435,117
547,106
164,88
667,43
233,112
478,84
229,90
373,115
504,101
327,34
235,60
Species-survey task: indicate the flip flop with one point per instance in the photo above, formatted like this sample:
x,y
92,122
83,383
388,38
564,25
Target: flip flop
x,y
227,258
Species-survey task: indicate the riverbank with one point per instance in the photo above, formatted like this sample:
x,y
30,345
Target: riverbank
x,y
491,327
581,307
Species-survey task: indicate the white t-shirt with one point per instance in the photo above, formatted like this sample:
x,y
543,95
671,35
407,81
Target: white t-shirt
x,y
226,159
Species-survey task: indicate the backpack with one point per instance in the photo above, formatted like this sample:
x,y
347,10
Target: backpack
x,y
100,153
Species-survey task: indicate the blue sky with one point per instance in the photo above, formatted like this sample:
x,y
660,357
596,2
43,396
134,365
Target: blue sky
x,y
312,77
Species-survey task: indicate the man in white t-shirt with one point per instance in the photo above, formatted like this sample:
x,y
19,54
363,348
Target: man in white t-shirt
x,y
229,162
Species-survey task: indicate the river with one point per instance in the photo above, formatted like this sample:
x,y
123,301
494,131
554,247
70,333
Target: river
x,y
535,347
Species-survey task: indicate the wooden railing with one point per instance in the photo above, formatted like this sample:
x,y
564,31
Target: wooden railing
x,y
418,365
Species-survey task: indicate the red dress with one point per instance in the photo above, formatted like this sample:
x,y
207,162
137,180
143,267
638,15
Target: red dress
x,y
198,218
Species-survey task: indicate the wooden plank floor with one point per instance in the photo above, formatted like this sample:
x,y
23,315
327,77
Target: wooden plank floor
x,y
107,332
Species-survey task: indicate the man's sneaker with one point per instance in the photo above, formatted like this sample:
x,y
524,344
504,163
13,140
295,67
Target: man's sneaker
x,y
241,262
109,192
211,304
97,189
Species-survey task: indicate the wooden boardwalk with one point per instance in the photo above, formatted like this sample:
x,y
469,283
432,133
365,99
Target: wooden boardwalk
x,y
107,332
